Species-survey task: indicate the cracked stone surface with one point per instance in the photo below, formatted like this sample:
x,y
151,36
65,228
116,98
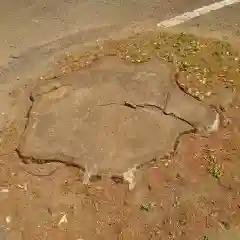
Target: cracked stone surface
x,y
111,117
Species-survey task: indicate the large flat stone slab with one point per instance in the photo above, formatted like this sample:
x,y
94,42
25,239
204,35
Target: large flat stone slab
x,y
14,106
110,117
76,129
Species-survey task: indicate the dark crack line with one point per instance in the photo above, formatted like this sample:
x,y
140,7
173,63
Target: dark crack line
x,y
176,80
180,135
27,117
145,105
28,114
67,163
149,105
54,88
181,119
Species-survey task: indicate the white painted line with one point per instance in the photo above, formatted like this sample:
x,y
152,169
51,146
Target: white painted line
x,y
195,13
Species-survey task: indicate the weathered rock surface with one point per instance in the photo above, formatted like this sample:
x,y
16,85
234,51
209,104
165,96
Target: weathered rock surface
x,y
112,116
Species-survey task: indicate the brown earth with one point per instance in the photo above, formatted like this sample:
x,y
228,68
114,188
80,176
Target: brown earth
x,y
148,148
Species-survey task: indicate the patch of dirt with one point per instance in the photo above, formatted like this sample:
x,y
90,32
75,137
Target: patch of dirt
x,y
191,194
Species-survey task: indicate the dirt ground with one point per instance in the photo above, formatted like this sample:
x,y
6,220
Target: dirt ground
x,y
191,193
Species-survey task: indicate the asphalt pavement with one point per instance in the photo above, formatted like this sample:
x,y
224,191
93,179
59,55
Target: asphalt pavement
x,y
223,23
26,24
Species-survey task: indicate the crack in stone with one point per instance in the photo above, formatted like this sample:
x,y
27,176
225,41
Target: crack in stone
x,y
69,162
148,105
28,114
54,88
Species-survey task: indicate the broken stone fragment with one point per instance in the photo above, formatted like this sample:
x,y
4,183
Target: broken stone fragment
x,y
83,120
